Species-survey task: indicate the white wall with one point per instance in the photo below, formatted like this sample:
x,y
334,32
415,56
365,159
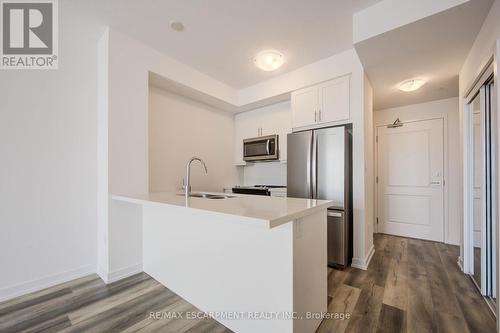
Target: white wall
x,y
447,109
180,128
129,65
388,15
369,164
102,153
361,105
266,173
482,49
48,174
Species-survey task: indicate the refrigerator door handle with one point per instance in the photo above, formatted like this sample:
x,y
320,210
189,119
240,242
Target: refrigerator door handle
x,y
314,166
308,178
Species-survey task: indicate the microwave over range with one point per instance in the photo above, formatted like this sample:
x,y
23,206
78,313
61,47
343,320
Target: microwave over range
x,y
262,148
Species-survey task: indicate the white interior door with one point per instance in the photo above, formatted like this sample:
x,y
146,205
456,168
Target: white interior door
x,y
410,180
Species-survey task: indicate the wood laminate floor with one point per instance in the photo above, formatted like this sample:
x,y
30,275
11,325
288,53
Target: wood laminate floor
x,y
410,286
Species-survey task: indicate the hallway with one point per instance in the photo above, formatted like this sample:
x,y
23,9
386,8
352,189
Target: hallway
x,y
410,286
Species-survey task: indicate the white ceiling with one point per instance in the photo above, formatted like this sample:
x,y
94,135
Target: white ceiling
x,y
221,37
434,48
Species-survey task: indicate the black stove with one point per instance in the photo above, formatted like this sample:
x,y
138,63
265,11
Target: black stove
x,y
256,189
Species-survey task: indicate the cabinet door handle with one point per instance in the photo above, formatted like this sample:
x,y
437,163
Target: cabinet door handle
x,y
319,115
315,116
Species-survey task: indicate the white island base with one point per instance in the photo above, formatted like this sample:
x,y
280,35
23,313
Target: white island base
x,y
250,276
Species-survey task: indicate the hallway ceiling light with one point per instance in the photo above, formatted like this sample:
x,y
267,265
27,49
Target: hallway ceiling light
x,y
177,26
269,60
411,85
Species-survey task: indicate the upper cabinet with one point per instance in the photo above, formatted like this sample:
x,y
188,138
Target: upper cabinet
x,y
272,119
327,102
334,100
323,104
305,107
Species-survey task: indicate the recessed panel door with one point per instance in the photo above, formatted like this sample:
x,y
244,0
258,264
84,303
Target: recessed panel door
x,y
410,180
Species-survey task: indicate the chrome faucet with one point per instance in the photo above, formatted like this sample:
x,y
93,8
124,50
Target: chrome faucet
x,y
188,174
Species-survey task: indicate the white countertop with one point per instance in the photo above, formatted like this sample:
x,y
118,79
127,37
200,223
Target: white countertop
x,y
273,211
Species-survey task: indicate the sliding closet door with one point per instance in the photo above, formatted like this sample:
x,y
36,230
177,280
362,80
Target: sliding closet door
x,y
494,228
477,190
487,92
482,189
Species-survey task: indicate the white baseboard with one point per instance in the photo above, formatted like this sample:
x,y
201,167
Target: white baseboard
x,y
110,277
363,263
103,273
45,282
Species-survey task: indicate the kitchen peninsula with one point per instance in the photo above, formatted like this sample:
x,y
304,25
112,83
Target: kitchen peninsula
x,y
240,257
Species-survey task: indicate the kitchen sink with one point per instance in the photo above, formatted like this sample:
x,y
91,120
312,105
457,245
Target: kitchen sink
x,y
210,196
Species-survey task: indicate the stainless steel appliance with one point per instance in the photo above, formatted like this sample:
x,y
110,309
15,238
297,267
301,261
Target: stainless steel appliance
x,y
256,189
319,166
262,148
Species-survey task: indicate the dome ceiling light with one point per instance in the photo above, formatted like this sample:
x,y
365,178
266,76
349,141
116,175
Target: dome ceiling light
x,y
411,85
269,60
177,26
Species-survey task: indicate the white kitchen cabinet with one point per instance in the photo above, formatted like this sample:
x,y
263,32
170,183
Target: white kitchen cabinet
x,y
328,102
304,107
334,100
272,119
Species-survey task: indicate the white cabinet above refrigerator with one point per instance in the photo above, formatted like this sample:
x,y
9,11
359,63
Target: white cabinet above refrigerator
x,y
325,103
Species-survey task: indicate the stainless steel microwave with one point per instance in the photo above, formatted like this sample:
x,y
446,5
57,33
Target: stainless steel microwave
x,y
262,148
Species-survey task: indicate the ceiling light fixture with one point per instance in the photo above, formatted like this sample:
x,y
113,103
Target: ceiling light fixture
x,y
269,60
411,85
177,26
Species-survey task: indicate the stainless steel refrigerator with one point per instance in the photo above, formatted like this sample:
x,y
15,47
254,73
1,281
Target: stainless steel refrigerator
x,y
319,166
